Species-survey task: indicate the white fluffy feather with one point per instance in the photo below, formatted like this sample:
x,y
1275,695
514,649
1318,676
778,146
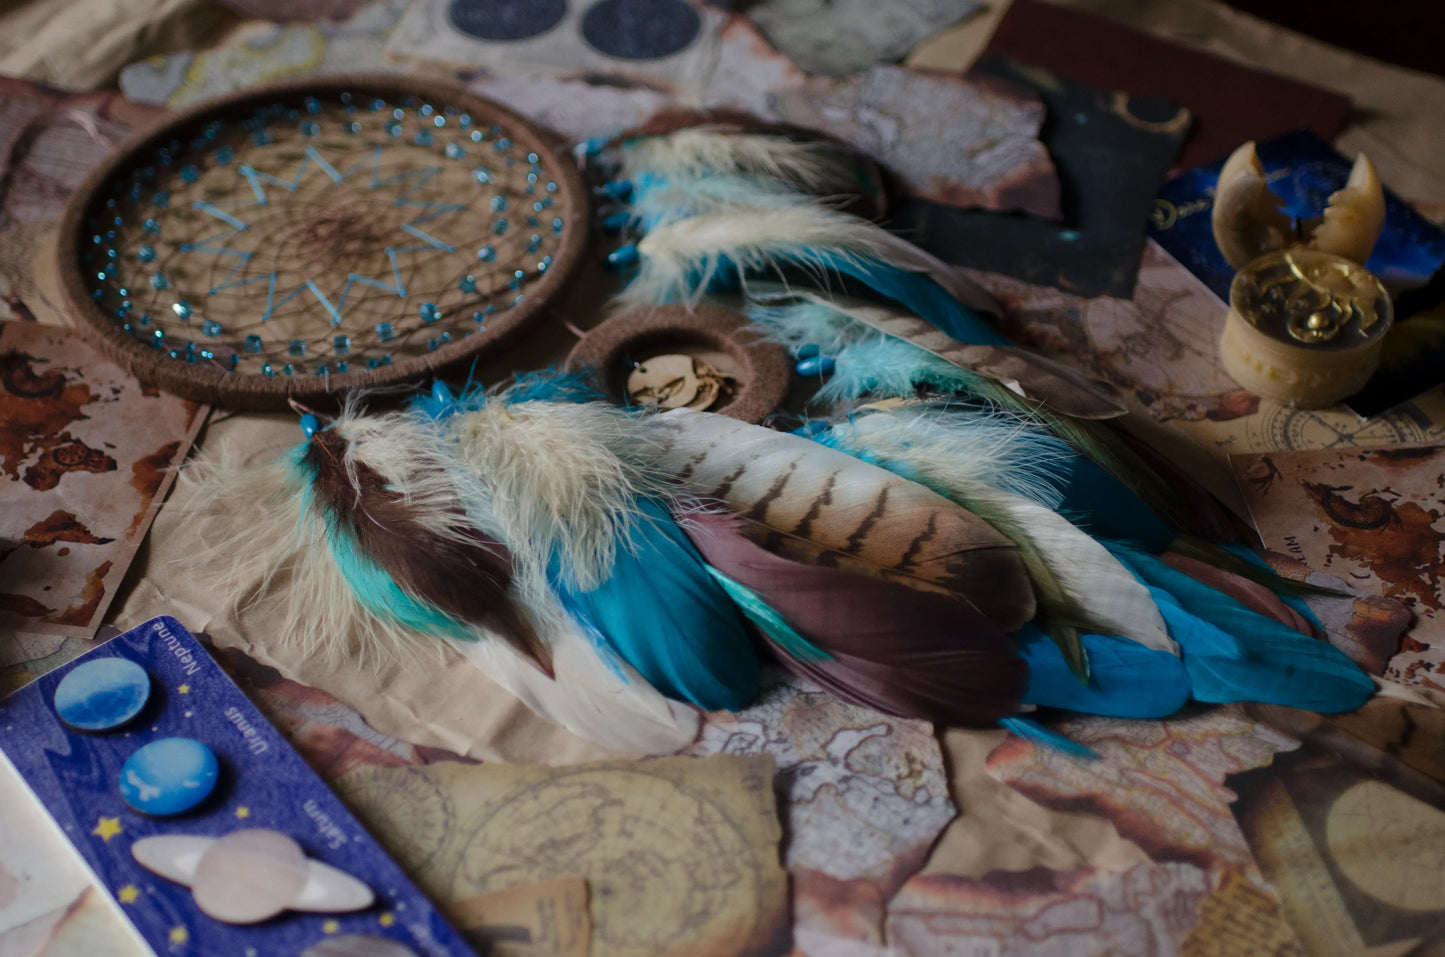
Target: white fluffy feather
x,y
679,259
696,152
1109,596
555,477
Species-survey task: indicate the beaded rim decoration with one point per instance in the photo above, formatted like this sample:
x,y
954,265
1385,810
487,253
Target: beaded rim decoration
x,y
302,239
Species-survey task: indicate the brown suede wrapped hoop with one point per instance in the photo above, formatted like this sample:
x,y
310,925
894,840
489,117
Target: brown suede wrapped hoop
x,y
306,238
761,369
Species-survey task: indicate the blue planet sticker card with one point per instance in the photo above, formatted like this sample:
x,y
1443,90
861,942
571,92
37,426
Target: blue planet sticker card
x,y
210,833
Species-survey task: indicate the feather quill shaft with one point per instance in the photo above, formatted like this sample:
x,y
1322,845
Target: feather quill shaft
x,y
801,488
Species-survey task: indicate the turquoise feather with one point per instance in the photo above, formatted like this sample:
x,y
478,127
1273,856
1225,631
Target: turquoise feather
x,y
1126,679
663,613
1234,654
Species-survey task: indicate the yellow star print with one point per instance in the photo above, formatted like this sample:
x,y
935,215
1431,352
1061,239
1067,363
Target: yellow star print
x,y
183,689
127,894
179,935
107,828
387,919
330,927
243,811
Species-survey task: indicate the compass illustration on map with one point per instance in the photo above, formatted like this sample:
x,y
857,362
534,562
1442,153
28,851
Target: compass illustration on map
x,y
305,238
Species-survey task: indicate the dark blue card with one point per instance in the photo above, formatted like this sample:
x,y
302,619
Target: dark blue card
x,y
263,783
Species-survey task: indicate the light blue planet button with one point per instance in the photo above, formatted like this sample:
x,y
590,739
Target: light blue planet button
x,y
102,694
169,776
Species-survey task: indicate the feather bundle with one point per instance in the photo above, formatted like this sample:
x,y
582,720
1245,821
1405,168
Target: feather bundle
x,y
360,537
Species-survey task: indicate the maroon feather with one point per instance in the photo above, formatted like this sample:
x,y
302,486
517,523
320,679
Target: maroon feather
x,y
895,649
464,574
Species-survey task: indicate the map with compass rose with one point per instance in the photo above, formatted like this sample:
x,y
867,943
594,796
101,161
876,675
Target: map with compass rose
x,y
305,237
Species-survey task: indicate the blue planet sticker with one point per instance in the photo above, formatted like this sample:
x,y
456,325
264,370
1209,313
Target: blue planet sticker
x,y
169,776
102,694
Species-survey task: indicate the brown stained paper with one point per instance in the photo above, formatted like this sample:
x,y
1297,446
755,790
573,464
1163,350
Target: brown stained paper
x,y
548,919
680,854
1371,518
86,457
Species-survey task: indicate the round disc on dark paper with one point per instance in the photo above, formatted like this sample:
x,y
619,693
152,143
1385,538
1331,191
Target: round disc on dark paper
x,y
640,29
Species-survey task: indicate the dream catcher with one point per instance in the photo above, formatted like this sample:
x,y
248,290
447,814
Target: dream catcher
x,y
308,238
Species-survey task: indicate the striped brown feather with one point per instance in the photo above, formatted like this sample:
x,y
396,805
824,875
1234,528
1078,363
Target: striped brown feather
x,y
799,488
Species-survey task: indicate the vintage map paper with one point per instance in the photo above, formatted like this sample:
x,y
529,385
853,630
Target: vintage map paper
x,y
1126,855
680,854
86,456
1372,517
1357,863
863,797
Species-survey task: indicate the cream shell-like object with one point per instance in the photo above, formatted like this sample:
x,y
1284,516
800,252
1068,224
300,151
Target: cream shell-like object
x,y
1248,220
1260,352
250,875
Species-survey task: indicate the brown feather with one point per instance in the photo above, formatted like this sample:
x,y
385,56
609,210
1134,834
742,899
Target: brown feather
x,y
462,572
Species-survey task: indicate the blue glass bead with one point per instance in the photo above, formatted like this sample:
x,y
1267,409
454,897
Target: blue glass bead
x,y
623,257
341,345
161,199
288,369
482,174
224,155
310,129
296,347
385,332
182,310
453,151
252,344
815,366
464,120
806,351
150,226
487,254
558,224
211,328
476,136
429,312
424,138
342,366
439,121
309,425
499,227
267,370
499,203
159,281
190,173
146,254
467,284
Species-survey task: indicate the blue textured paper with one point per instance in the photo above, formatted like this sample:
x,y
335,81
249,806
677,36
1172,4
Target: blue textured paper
x,y
263,783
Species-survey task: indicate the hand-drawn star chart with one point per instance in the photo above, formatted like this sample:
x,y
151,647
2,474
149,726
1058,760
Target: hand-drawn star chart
x,y
302,235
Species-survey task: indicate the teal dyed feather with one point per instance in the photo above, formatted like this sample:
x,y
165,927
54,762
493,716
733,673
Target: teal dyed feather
x,y
1052,740
664,614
